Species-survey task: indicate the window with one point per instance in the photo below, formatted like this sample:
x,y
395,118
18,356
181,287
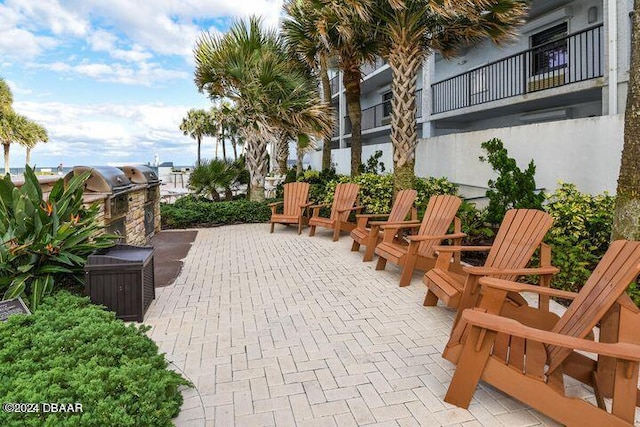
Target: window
x,y
549,50
386,104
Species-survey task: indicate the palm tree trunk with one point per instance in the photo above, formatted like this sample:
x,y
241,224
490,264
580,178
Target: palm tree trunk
x,y
351,80
299,160
282,154
217,142
326,95
405,59
224,150
28,156
257,164
199,140
235,147
6,157
626,222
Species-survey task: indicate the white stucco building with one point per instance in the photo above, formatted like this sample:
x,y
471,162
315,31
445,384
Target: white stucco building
x,y
556,96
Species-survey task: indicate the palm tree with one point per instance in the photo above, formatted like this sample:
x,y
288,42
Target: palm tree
x,y
413,29
12,125
196,125
345,26
31,135
250,66
626,222
6,97
301,32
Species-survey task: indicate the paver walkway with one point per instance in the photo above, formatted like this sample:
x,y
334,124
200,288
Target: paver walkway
x,y
281,329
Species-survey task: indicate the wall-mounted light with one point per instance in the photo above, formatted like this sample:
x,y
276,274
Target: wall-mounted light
x,y
592,14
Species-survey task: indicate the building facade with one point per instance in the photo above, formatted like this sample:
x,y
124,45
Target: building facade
x,y
555,95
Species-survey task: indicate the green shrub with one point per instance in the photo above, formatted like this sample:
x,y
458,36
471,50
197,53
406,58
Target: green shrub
x,y
432,186
214,175
193,211
44,242
580,234
318,182
513,188
71,351
373,165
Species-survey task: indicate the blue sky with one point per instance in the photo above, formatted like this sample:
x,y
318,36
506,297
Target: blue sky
x,y
111,80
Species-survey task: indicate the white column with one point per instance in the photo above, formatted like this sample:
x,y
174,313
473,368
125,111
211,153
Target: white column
x,y
342,109
612,46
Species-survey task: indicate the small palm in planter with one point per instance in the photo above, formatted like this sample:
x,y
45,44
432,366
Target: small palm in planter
x,y
44,240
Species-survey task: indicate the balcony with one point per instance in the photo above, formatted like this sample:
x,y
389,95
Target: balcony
x,y
380,115
575,58
366,70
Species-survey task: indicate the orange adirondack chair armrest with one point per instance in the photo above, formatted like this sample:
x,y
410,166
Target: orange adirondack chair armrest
x,y
619,350
440,237
400,224
455,248
509,286
363,219
355,208
276,203
488,271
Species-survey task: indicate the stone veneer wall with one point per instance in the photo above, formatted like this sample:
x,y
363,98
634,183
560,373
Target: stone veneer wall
x,y
134,222
135,216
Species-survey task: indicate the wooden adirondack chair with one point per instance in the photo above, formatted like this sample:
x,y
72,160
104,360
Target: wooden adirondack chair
x,y
367,232
512,357
344,201
296,200
520,233
420,253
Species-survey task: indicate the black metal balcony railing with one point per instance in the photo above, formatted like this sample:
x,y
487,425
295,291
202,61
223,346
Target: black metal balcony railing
x,y
575,58
380,115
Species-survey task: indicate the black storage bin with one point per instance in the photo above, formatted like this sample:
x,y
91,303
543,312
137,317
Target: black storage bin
x,y
121,278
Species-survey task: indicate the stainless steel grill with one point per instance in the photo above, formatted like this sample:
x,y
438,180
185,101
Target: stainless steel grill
x,y
112,182
139,174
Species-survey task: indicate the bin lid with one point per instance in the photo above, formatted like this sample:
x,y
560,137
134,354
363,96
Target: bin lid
x,y
127,255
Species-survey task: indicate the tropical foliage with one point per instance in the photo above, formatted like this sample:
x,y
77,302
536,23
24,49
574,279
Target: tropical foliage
x,y
409,31
44,242
197,124
73,351
513,188
215,175
272,91
16,128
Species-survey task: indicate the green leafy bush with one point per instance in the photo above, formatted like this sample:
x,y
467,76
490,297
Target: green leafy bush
x,y
432,186
580,234
71,351
44,242
513,188
373,165
214,175
318,182
193,211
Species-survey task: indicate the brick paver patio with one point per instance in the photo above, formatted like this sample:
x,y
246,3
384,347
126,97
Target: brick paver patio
x,y
281,329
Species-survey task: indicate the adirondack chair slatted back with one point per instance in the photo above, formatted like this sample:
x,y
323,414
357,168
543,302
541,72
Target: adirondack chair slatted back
x,y
440,212
344,197
520,233
619,266
402,205
295,194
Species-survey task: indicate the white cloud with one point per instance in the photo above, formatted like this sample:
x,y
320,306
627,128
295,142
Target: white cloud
x,y
102,133
142,73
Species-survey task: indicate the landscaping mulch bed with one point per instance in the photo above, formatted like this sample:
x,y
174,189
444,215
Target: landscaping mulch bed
x,y
171,246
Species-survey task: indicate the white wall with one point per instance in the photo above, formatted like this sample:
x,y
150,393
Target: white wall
x,y
585,152
342,158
